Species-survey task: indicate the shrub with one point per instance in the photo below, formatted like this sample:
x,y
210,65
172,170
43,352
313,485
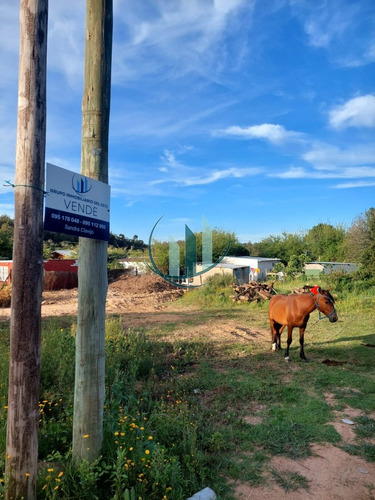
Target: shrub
x,y
5,296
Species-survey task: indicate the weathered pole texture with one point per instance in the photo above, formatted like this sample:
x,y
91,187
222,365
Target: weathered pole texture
x,y
92,274
27,275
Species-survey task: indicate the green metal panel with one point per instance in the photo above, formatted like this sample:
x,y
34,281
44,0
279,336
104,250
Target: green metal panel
x,y
206,244
313,272
190,252
174,258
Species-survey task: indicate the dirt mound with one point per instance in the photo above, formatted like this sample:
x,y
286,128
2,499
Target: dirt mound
x,y
141,284
144,293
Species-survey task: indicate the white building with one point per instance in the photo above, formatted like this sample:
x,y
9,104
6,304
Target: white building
x,y
258,266
243,269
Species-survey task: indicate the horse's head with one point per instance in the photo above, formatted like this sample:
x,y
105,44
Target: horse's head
x,y
326,304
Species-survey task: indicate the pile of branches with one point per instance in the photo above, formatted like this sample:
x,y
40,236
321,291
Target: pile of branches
x,y
5,295
253,291
303,289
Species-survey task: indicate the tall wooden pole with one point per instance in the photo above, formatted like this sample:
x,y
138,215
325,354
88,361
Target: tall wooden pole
x,y
24,371
92,273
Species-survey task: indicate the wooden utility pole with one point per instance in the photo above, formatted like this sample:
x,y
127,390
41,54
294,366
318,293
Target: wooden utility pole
x,y
92,272
27,275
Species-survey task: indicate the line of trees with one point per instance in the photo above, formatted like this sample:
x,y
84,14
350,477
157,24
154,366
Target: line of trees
x,y
53,241
323,242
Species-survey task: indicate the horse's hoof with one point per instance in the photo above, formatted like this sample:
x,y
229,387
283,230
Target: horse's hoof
x,y
287,359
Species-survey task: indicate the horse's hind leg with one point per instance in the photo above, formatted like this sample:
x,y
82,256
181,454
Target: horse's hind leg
x,y
288,342
276,332
301,342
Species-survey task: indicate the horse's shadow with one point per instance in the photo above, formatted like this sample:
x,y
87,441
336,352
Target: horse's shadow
x,y
366,340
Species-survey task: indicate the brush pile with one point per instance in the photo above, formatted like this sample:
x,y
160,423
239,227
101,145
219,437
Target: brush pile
x,y
5,295
303,289
253,291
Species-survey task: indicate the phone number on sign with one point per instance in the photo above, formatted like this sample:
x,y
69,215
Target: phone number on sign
x,y
76,220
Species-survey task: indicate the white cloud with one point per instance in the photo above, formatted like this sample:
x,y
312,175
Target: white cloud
x,y
176,38
357,112
66,33
327,157
275,134
10,40
179,174
340,27
189,178
169,157
351,185
324,25
334,173
217,175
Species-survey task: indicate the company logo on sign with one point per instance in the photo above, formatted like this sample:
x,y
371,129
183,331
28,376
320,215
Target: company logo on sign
x,y
81,184
190,269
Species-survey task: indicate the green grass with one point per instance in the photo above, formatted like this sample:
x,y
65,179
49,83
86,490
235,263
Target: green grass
x,y
184,411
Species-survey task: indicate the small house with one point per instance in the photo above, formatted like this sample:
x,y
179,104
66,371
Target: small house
x,y
243,269
5,271
317,268
240,274
258,266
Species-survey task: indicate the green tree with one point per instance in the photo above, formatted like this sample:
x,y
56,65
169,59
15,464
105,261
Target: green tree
x,y
325,242
283,247
360,241
160,254
267,247
296,265
6,237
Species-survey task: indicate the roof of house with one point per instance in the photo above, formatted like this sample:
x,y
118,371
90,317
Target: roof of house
x,y
333,263
259,259
230,266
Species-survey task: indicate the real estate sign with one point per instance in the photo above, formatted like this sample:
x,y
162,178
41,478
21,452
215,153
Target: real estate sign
x,y
76,204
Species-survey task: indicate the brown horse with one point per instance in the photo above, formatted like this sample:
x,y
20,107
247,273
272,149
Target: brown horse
x,y
294,311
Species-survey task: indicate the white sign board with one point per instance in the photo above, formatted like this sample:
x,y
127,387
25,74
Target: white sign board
x,y
76,204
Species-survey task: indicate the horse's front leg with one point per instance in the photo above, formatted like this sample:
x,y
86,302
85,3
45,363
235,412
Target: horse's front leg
x,y
301,342
288,342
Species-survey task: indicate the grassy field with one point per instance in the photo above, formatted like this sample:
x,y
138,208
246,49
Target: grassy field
x,y
202,401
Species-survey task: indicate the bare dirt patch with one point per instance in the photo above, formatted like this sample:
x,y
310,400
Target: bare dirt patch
x,y
331,474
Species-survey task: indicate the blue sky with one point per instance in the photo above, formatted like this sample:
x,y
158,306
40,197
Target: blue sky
x,y
257,114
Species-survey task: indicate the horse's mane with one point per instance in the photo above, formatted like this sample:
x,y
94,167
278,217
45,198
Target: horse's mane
x,y
327,294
